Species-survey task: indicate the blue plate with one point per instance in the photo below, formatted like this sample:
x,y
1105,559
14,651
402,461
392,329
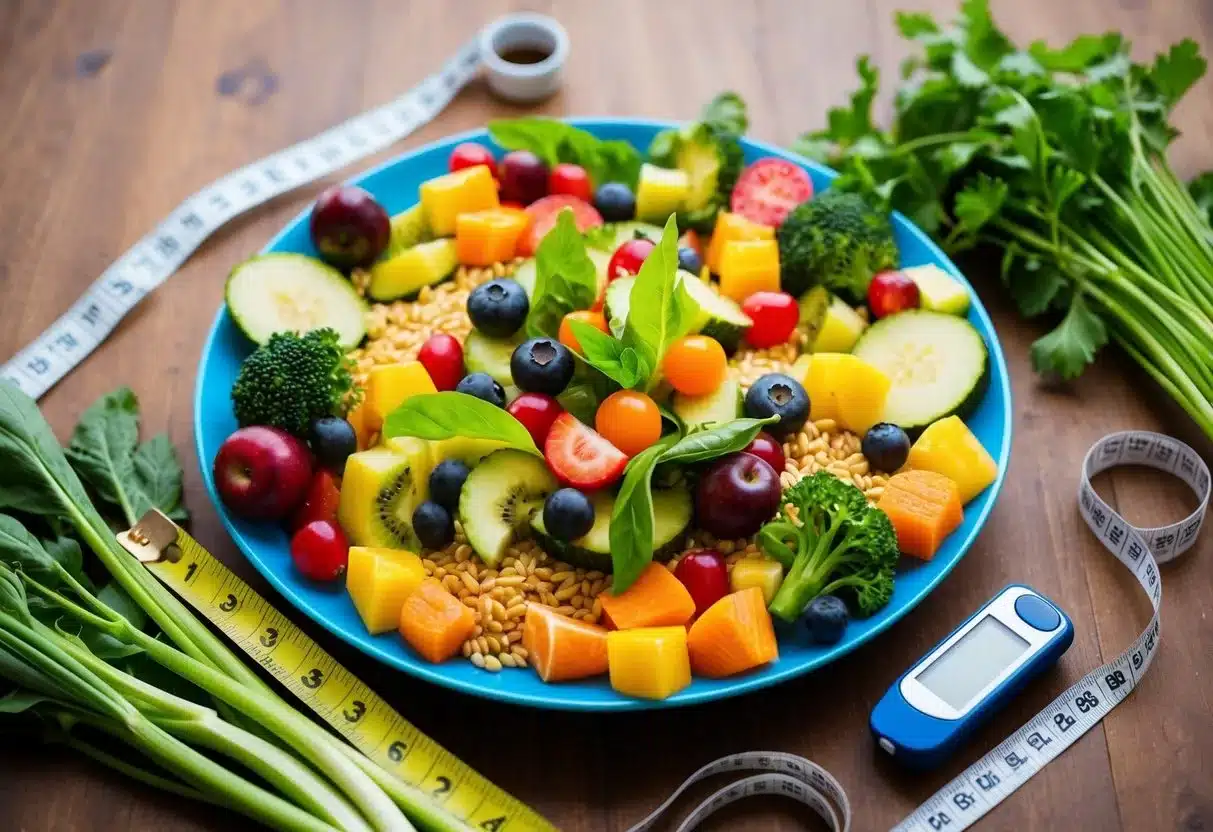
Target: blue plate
x,y
395,185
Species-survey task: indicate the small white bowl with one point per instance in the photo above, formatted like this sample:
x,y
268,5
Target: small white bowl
x,y
524,83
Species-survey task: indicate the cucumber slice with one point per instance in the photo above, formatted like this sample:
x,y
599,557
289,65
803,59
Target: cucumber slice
x,y
482,354
618,301
724,405
938,363
671,521
292,292
408,229
717,317
525,276
939,290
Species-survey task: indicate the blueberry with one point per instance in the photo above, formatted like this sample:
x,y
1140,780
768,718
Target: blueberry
x,y
482,386
826,619
689,260
616,202
446,482
567,514
433,525
498,308
333,440
778,395
542,365
886,446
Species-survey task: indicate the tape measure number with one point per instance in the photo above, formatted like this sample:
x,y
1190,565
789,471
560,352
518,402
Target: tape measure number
x,y
320,682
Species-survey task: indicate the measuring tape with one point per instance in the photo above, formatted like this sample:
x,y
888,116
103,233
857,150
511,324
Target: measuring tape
x,y
335,695
152,260
992,779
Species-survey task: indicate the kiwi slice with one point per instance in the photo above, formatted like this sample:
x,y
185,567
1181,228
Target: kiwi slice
x,y
498,499
379,491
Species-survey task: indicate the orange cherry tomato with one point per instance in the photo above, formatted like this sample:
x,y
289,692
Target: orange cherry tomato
x,y
585,316
695,365
629,420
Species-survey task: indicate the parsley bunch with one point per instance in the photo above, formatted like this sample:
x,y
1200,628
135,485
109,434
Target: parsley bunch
x,y
1056,157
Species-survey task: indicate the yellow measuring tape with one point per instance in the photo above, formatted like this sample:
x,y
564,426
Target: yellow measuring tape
x,y
337,696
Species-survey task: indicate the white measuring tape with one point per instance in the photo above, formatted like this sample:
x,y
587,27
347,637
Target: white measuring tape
x,y
152,260
993,778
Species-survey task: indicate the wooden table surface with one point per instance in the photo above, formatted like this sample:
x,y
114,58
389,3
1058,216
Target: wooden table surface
x,y
115,111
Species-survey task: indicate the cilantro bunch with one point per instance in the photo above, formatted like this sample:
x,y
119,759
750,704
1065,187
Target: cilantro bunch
x,y
1057,158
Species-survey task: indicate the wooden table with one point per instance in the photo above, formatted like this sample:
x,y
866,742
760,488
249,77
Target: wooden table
x,y
115,111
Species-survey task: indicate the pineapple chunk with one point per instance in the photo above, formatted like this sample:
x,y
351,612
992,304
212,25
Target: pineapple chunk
x,y
764,573
729,228
388,385
948,447
847,389
649,662
749,266
444,198
378,580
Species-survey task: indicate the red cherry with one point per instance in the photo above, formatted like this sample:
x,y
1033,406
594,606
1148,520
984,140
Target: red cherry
x,y
442,357
320,550
890,293
775,315
768,449
537,412
470,154
704,574
571,180
321,501
629,257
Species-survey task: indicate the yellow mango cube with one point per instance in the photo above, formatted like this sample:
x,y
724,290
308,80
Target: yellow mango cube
x,y
847,389
764,573
378,580
388,385
731,227
948,447
444,198
749,266
649,662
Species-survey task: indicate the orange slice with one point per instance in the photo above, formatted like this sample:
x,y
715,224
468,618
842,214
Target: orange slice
x,y
562,648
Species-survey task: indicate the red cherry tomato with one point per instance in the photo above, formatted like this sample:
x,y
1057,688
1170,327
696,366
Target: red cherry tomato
x,y
704,574
537,412
470,154
442,357
571,180
320,550
891,292
320,502
580,456
775,315
768,190
768,449
628,258
543,219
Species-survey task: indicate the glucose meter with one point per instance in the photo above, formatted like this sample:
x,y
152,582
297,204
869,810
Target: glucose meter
x,y
969,675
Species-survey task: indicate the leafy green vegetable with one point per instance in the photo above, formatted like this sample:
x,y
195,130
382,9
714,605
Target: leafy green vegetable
x,y
716,441
449,414
667,308
565,278
554,141
580,399
609,356
631,530
1056,157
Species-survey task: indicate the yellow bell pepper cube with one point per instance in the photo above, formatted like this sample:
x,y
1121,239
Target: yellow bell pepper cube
x,y
444,198
847,389
649,662
483,238
378,581
948,447
388,385
730,228
764,573
749,266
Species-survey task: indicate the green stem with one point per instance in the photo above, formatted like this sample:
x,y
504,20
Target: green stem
x,y
1198,414
135,772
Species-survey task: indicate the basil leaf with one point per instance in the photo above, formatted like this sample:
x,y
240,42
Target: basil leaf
x,y
661,308
605,160
609,356
631,531
449,414
565,278
580,400
716,441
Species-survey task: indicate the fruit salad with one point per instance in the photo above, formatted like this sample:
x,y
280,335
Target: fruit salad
x,y
599,410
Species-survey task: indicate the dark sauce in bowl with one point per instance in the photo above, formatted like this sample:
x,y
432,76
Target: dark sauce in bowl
x,y
525,55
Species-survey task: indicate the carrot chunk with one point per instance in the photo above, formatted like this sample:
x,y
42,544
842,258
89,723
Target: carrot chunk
x,y
733,635
562,648
656,599
435,622
924,508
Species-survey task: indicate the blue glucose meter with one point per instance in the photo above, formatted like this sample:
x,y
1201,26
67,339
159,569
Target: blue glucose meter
x,y
969,675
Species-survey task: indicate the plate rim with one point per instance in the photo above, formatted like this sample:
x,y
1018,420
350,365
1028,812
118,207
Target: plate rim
x,y
562,697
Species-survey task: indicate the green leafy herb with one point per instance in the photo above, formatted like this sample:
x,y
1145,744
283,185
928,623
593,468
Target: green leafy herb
x,y
609,356
555,141
565,278
450,414
663,316
631,531
726,112
716,441
580,399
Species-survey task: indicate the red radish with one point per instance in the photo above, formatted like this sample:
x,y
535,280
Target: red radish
x,y
442,357
320,502
768,449
537,412
704,574
262,472
543,219
629,257
320,550
775,315
580,456
891,292
768,190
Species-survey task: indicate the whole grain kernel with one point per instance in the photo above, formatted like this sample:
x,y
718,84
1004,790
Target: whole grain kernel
x,y
477,659
492,663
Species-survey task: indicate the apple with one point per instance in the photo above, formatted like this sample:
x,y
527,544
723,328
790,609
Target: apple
x,y
262,472
736,495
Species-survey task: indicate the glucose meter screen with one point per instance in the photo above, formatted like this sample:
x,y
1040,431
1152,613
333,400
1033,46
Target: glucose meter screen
x,y
973,662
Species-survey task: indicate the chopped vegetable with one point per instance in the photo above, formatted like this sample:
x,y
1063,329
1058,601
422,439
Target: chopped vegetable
x,y
483,238
292,379
948,447
435,622
732,636
562,648
378,581
654,599
731,228
660,193
445,197
924,508
651,662
830,541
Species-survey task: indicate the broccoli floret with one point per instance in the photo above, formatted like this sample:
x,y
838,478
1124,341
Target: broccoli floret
x,y
837,240
831,541
293,379
710,152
